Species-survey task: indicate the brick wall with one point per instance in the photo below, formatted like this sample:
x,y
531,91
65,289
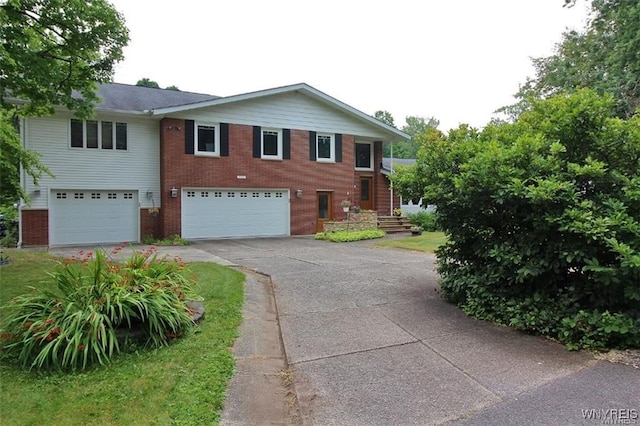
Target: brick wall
x,y
35,227
179,170
149,226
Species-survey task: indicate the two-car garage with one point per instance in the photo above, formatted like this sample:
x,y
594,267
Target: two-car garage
x,y
226,213
112,216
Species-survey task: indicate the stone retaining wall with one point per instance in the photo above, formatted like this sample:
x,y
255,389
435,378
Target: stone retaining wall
x,y
355,222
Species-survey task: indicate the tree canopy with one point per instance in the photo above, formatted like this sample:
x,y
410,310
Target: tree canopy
x,y
52,53
53,48
146,82
415,126
603,57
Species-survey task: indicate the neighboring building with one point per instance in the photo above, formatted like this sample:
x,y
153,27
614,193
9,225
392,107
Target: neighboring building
x,y
156,162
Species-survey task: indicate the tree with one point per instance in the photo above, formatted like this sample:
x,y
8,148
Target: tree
x,y
385,117
543,220
604,58
414,127
52,52
145,82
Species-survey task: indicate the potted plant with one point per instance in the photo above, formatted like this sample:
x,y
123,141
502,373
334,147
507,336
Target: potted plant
x,y
345,205
397,211
416,230
153,211
356,209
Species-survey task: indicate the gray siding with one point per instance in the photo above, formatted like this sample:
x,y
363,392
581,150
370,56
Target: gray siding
x,y
288,110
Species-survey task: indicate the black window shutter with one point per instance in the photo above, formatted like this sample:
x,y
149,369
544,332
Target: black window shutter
x,y
338,147
189,126
257,141
286,144
224,139
312,146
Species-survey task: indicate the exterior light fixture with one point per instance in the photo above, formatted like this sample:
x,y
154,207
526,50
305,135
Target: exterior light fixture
x,y
298,193
174,192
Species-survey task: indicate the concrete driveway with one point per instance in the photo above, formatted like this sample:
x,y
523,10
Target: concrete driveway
x,y
370,342
364,338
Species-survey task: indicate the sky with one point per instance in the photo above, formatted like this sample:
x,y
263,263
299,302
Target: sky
x,y
455,60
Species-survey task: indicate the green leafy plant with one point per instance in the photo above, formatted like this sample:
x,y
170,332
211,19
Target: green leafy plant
x,y
343,236
542,218
97,302
426,220
173,240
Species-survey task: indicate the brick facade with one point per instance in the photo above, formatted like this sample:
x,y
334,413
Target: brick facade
x,y
35,228
181,170
150,226
178,170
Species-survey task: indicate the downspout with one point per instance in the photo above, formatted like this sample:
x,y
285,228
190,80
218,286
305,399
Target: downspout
x,y
21,125
391,181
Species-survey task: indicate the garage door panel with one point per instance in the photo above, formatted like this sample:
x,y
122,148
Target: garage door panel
x,y
93,216
220,213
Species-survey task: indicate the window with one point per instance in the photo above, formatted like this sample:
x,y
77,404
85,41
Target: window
x,y
207,139
272,144
107,135
77,134
325,148
93,134
364,155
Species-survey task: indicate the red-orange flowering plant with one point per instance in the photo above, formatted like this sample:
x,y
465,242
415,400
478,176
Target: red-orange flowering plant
x,y
101,307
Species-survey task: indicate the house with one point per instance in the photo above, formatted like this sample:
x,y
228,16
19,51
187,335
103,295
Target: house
x,y
156,162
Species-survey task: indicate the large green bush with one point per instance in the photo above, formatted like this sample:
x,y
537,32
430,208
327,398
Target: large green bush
x,y
543,220
97,303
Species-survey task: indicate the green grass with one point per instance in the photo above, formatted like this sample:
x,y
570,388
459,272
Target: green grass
x,y
427,242
184,383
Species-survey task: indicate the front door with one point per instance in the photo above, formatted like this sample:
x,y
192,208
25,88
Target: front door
x,y
366,193
324,210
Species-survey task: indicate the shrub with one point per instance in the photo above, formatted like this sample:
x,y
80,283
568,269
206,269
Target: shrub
x,y
96,300
173,240
344,236
543,220
10,226
426,220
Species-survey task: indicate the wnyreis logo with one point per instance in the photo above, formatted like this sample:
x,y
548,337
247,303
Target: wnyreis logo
x,y
612,416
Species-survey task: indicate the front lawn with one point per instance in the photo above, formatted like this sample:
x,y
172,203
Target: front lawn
x,y
427,242
183,383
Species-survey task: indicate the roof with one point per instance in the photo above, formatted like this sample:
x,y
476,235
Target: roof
x,y
386,163
126,97
159,102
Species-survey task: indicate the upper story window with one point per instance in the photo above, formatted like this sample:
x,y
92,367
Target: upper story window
x,y
364,155
271,144
94,134
207,139
325,147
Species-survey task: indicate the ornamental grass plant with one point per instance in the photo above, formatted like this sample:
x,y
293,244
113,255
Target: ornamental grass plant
x,y
94,305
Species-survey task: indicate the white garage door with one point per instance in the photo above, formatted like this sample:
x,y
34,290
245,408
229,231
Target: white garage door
x,y
88,217
220,213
